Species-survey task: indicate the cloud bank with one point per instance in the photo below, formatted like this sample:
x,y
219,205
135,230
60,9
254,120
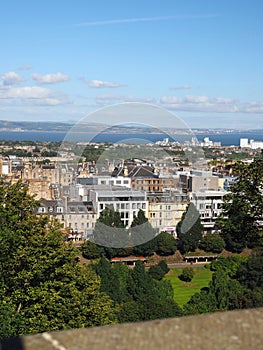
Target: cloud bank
x,y
50,78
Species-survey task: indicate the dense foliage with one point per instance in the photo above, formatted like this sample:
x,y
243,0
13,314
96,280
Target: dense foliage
x,y
43,287
140,239
236,284
187,274
212,243
189,230
240,222
137,294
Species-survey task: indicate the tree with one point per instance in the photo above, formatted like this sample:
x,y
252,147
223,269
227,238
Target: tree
x,y
163,266
44,287
200,303
243,208
142,235
140,285
109,231
187,274
250,273
212,243
156,272
166,244
189,230
91,250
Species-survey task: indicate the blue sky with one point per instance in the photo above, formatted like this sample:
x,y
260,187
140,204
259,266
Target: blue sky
x,y
201,60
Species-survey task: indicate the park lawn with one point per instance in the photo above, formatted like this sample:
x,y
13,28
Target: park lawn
x,y
184,290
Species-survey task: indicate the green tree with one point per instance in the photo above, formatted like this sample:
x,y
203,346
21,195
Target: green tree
x,y
187,274
212,243
189,230
156,272
250,272
140,285
109,231
142,235
164,266
243,208
44,287
91,250
200,303
166,244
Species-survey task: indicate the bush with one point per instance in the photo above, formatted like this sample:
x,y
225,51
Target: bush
x,y
212,243
187,274
156,272
164,266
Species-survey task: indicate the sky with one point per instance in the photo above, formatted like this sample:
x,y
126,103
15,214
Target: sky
x,y
200,61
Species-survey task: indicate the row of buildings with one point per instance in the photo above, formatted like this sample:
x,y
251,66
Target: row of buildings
x,y
76,194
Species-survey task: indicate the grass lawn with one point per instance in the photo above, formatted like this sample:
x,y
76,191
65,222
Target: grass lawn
x,y
184,290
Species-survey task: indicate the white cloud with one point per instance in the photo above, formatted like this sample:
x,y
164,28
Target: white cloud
x,y
210,104
11,78
31,95
146,19
50,78
181,87
98,84
112,98
26,67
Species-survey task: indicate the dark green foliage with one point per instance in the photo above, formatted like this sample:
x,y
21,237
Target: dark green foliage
x,y
187,274
44,287
91,250
156,272
250,272
243,208
140,285
236,284
147,248
142,235
164,266
200,303
219,288
109,231
212,243
166,244
189,230
139,219
110,282
228,265
136,294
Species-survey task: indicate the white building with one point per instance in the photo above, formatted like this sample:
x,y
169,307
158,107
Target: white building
x,y
244,143
106,180
126,201
251,144
209,205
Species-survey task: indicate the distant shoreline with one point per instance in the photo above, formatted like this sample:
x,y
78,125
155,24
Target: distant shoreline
x,y
226,139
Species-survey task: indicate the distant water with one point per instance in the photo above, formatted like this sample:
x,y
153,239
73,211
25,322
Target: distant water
x,y
226,139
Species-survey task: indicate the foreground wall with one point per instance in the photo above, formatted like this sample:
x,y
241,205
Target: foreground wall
x,y
222,330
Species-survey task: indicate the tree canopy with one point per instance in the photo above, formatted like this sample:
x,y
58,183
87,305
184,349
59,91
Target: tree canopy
x,y
189,230
43,285
241,219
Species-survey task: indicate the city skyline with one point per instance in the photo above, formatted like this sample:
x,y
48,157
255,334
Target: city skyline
x,y
199,61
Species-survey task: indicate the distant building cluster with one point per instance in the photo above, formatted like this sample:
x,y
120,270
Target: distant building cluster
x,y
245,143
76,193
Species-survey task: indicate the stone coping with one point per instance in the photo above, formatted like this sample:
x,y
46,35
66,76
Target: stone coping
x,y
242,329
